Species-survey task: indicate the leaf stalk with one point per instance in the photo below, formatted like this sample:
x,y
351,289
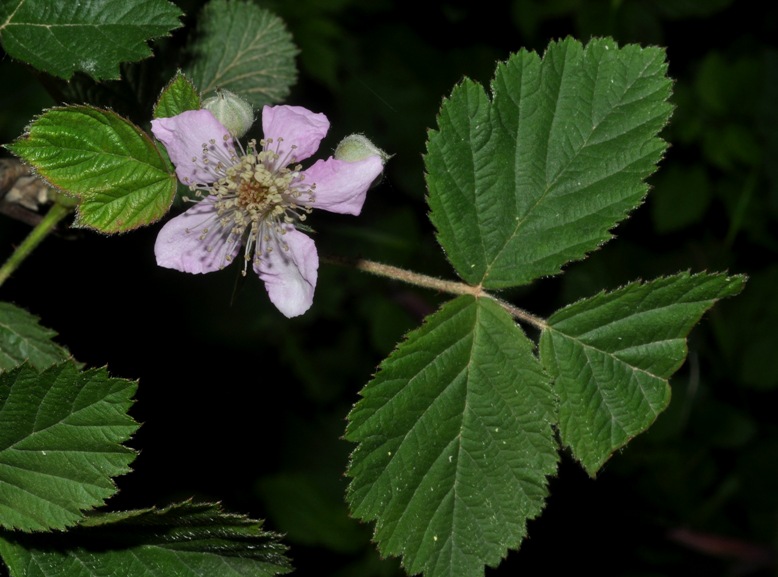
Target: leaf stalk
x,y
434,283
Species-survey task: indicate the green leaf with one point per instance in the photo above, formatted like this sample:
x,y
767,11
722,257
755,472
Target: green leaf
x,y
22,339
185,540
90,36
611,356
60,443
454,442
536,177
178,96
245,49
108,163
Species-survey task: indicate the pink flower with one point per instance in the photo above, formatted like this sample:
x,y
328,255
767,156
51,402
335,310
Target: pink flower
x,y
254,198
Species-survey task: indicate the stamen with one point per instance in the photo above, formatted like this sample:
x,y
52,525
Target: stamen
x,y
257,195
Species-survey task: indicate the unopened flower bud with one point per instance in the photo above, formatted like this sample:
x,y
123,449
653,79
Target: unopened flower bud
x,y
357,147
235,114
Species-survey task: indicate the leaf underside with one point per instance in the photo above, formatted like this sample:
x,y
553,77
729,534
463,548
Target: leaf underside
x,y
245,49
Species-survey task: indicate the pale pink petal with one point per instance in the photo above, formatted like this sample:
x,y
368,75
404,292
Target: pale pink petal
x,y
194,242
289,272
184,135
298,127
341,186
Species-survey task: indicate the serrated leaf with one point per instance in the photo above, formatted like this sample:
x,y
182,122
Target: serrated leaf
x,y
611,356
454,442
245,49
60,443
185,539
90,36
23,339
536,177
112,166
178,96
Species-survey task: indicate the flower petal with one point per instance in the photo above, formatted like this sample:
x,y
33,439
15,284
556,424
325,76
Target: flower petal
x,y
194,242
298,127
289,272
341,186
184,136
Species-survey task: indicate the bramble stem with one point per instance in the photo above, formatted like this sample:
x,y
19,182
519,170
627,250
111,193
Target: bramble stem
x,y
47,224
451,287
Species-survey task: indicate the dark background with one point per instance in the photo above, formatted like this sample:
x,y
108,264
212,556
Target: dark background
x,y
241,405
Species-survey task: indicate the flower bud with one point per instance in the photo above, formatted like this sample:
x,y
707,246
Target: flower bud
x,y
357,147
235,114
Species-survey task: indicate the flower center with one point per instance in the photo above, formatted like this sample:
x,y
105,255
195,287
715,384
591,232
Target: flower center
x,y
258,198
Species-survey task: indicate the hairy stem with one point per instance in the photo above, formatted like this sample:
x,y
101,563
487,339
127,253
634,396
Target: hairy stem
x,y
47,224
446,286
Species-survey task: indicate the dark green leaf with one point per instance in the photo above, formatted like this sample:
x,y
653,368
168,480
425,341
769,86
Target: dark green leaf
x,y
185,540
454,442
60,443
245,49
522,184
89,36
22,339
611,357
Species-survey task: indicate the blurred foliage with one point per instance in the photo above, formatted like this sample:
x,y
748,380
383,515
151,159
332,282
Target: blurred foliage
x,y
244,406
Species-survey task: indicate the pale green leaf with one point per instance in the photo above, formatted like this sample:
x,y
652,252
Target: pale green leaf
x,y
112,166
89,36
611,357
454,442
22,339
60,443
185,540
535,177
178,96
245,49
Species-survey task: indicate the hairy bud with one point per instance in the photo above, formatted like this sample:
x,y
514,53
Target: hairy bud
x,y
235,114
358,147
